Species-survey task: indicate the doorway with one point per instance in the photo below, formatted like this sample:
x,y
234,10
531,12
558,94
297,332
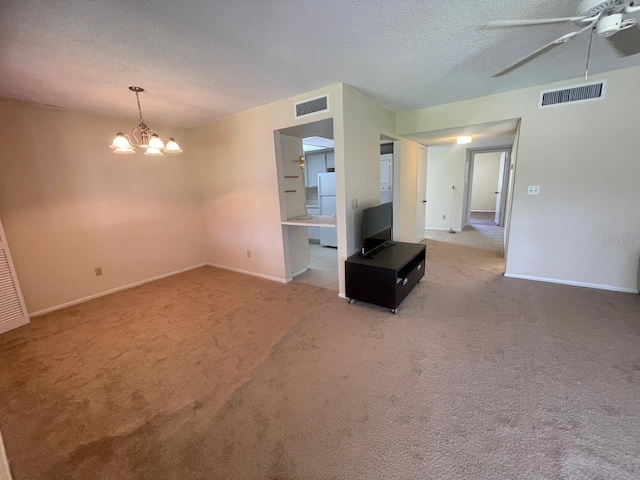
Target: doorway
x,y
486,186
449,216
486,189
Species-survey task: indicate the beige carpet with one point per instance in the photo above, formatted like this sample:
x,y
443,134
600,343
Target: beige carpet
x,y
215,375
482,233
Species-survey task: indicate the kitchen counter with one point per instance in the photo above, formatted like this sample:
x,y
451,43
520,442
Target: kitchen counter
x,y
323,221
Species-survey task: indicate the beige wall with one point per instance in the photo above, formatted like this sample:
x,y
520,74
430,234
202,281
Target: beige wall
x,y
240,192
242,197
364,121
582,228
445,169
405,190
486,167
69,204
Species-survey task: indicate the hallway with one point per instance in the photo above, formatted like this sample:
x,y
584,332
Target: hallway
x,y
482,232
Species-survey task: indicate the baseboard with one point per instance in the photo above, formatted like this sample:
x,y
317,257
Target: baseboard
x,y
5,472
572,283
440,229
113,290
295,274
246,272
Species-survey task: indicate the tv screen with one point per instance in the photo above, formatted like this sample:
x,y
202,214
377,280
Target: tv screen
x,y
377,223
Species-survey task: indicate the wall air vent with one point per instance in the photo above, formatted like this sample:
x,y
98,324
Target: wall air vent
x,y
579,93
314,105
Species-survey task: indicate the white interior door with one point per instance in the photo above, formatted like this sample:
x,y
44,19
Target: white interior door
x,y
13,312
421,208
499,190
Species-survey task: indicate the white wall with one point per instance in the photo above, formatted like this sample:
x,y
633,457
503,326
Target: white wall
x,y
486,167
69,204
445,169
583,227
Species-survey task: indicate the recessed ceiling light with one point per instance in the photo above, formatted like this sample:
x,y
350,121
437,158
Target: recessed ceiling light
x,y
463,139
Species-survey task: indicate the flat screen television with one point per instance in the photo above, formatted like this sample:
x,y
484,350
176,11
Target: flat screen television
x,y
377,223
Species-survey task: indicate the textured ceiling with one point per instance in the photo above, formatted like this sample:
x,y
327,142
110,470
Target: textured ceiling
x,y
200,60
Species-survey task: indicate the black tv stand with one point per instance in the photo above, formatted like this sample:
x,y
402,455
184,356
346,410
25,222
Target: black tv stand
x,y
387,278
371,255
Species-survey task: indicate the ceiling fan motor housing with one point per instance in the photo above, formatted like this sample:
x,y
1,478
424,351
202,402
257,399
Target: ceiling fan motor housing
x,y
609,25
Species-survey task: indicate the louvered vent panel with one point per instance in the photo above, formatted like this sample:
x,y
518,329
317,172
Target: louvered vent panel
x,y
10,307
574,94
314,105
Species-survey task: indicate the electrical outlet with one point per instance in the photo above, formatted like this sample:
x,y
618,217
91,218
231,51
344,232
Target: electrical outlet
x,y
248,253
98,271
533,190
444,217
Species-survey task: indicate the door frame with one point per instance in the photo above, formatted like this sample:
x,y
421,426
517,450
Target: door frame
x,y
468,180
421,193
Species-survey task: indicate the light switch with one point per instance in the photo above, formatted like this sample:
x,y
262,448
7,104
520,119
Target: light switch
x,y
533,190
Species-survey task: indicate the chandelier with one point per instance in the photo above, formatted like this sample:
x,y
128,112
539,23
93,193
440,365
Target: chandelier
x,y
143,137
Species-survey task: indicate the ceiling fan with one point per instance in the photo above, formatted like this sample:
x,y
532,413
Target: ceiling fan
x,y
605,18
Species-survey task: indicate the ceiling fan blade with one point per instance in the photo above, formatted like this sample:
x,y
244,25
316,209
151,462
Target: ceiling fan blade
x,y
541,50
626,42
527,59
524,23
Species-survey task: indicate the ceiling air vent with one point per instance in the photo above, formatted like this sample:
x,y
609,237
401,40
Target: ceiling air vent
x,y
579,93
315,105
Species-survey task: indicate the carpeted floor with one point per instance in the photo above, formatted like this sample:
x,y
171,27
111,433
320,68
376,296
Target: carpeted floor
x,y
482,232
215,375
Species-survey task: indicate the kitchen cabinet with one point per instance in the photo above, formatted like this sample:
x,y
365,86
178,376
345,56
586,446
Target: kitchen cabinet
x,y
318,162
386,170
315,163
331,162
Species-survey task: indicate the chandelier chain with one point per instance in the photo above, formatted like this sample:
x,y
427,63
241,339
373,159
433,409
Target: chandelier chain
x,y
139,108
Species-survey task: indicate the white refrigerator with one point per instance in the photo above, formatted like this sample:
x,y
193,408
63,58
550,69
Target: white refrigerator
x,y
327,200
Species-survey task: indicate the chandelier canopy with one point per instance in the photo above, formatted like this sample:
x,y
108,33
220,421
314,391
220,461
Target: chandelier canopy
x,y
143,137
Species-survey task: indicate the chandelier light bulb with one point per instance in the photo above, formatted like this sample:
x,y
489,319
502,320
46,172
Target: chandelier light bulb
x,y
153,151
155,142
120,142
124,150
172,146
